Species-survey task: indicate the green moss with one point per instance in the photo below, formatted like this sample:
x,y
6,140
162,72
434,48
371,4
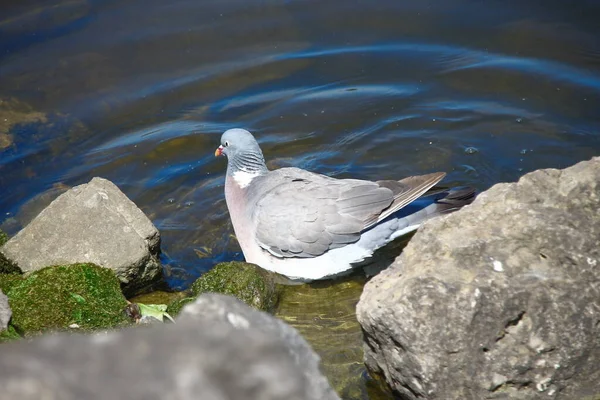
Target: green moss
x,y
9,334
249,283
176,306
55,297
7,281
3,238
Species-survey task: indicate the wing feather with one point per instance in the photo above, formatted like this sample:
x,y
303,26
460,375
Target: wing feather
x,y
297,213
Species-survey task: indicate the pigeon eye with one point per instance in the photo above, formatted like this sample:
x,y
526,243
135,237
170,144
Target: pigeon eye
x,y
226,144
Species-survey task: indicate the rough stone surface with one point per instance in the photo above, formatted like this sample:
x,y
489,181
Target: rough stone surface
x,y
91,223
220,308
203,356
5,312
498,300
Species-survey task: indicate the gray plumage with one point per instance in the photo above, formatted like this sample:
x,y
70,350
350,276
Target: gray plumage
x,y
301,214
291,214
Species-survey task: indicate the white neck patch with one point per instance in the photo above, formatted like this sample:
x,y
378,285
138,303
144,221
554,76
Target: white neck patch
x,y
243,178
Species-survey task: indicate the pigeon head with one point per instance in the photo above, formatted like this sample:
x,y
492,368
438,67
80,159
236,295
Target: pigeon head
x,y
242,151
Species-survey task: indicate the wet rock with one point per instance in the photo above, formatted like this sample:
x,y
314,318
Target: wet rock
x,y
498,300
85,297
219,349
247,282
5,312
95,223
7,281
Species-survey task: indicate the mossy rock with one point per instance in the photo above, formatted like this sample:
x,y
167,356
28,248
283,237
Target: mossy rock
x,y
176,306
9,334
7,281
55,297
247,282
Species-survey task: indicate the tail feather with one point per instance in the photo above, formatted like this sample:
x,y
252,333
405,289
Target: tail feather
x,y
456,198
439,203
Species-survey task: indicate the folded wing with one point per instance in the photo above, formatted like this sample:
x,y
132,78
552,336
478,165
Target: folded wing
x,y
302,214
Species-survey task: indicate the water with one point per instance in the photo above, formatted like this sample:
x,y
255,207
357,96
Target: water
x,y
139,91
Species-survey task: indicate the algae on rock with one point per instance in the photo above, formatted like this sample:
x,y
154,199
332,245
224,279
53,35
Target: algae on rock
x,y
7,281
9,334
247,282
83,295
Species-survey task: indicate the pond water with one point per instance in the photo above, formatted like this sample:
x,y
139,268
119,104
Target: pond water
x,y
139,91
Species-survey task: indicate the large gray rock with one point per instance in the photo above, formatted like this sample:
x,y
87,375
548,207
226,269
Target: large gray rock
x,y
498,300
210,355
93,222
5,312
219,308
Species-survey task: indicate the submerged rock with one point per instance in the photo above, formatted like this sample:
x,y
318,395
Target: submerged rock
x,y
324,314
219,349
81,296
95,223
498,300
247,282
13,112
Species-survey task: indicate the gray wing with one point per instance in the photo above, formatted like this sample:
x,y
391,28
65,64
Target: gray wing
x,y
300,214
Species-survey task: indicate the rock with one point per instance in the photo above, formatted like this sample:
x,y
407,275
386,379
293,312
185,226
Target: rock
x,y
498,300
91,223
54,298
210,353
215,308
7,281
5,312
247,282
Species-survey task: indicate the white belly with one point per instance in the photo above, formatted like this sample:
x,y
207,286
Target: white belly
x,y
334,262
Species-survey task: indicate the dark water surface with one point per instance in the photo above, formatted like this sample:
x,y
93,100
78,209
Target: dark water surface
x,y
139,91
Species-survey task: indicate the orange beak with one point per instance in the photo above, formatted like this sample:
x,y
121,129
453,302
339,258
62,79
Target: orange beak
x,y
219,151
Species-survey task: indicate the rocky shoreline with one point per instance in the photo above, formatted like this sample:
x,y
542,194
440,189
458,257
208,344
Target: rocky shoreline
x,y
498,300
